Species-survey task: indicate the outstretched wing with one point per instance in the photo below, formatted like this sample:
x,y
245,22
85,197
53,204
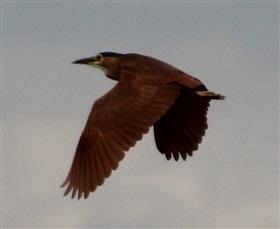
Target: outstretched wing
x,y
116,121
181,129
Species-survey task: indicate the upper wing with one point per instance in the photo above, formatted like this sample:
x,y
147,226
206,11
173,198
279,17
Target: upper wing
x,y
181,129
116,121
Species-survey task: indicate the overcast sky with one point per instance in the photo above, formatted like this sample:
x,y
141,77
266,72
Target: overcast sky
x,y
231,181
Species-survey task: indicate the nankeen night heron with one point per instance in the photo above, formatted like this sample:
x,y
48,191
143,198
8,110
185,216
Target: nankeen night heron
x,y
149,93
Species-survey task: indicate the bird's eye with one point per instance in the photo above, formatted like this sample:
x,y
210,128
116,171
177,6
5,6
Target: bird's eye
x,y
98,57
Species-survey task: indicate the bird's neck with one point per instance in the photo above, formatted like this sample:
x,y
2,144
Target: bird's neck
x,y
113,72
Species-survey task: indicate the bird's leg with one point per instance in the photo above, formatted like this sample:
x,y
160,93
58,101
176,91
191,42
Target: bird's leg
x,y
210,94
205,93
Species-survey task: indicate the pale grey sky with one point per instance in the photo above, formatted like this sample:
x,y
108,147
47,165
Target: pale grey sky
x,y
231,181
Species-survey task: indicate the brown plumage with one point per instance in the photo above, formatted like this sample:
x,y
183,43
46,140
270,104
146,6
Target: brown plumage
x,y
149,93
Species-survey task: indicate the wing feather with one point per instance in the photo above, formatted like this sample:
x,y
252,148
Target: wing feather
x,y
111,157
81,177
92,177
116,122
181,129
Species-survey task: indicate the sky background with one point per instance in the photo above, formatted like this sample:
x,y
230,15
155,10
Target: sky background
x,y
231,181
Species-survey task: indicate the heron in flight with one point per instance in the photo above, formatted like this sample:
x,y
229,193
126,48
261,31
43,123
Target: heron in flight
x,y
148,93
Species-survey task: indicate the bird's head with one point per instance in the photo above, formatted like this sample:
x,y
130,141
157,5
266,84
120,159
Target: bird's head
x,y
108,62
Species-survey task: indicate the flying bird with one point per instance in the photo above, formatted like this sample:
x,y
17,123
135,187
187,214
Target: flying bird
x,y
148,93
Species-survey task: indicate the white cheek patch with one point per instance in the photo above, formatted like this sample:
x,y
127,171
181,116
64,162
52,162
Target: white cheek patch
x,y
95,65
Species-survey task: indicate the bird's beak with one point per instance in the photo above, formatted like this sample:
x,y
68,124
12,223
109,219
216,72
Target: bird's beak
x,y
89,60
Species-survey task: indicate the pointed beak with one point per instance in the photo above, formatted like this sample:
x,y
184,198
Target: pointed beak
x,y
84,61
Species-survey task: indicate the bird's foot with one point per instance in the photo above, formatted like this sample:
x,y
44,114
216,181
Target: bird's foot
x,y
210,95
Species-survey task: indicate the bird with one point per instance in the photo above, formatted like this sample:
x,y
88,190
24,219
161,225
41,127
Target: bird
x,y
148,92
